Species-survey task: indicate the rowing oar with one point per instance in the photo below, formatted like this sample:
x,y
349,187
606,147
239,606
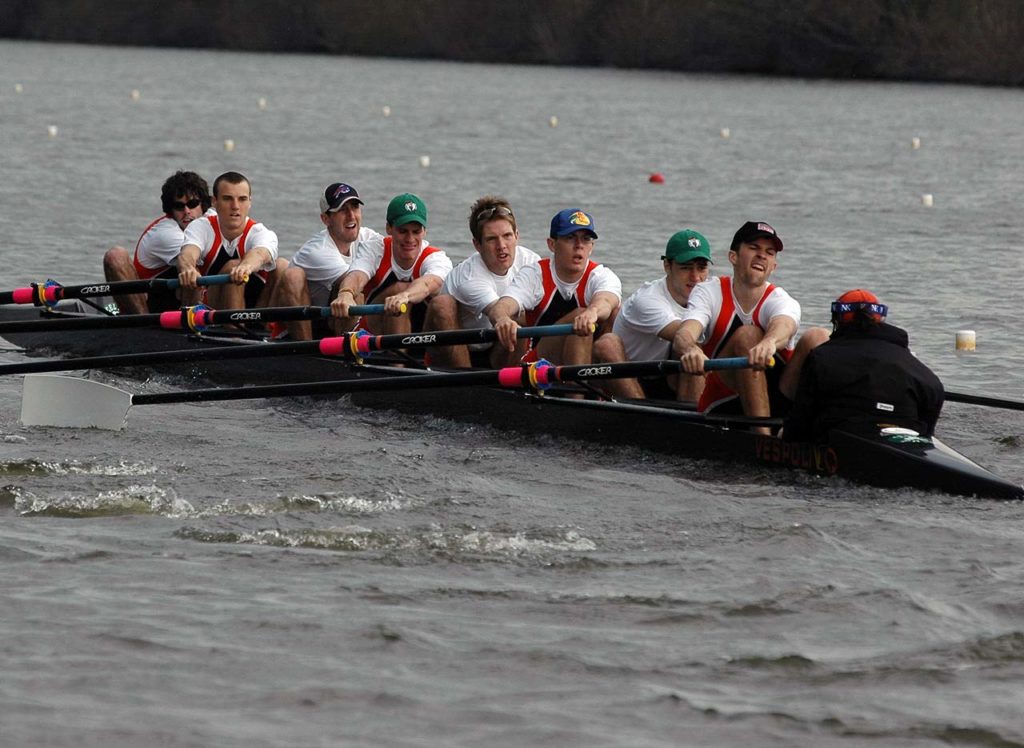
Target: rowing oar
x,y
49,293
350,345
54,400
992,402
195,318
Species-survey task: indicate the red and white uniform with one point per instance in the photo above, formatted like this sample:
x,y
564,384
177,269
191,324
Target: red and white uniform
x,y
215,250
158,247
546,298
643,315
374,257
476,288
323,263
713,303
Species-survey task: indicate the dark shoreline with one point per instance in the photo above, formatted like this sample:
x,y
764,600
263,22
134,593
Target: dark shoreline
x,y
954,41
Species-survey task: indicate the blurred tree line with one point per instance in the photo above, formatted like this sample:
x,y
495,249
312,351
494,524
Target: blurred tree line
x,y
976,41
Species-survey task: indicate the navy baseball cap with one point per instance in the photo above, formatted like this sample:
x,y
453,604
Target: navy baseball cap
x,y
337,195
571,220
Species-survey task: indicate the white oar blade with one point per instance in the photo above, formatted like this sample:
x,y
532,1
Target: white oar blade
x,y
54,400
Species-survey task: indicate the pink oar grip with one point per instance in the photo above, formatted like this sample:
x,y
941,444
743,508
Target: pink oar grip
x,y
170,320
23,295
511,376
333,346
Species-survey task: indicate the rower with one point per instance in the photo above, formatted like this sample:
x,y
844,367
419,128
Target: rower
x,y
232,243
565,288
184,197
649,319
476,284
313,276
863,378
747,316
401,270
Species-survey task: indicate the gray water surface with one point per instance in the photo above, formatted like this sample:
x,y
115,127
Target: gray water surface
x,y
302,572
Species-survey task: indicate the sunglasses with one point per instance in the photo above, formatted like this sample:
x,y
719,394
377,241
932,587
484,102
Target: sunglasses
x,y
497,210
193,203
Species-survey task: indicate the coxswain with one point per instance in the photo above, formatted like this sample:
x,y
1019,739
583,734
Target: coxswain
x,y
863,378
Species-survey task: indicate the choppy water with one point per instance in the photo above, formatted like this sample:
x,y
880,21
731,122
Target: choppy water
x,y
285,572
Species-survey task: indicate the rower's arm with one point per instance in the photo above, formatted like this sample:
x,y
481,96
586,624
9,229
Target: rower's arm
x,y
420,289
352,284
502,316
254,259
780,329
685,345
600,308
668,332
188,259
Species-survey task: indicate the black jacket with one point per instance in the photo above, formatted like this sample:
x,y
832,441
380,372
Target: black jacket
x,y
862,377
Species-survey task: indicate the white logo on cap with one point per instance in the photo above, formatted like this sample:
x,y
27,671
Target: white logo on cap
x,y
694,242
410,206
766,228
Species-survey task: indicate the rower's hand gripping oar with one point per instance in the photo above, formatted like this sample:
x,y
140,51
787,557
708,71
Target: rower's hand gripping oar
x,y
50,292
354,345
194,318
54,400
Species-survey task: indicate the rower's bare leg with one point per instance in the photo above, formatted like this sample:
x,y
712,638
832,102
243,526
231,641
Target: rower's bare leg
x,y
292,291
273,281
750,384
688,387
809,340
443,314
387,324
227,296
607,349
117,266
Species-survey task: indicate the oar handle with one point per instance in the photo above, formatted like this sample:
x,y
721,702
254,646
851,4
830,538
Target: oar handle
x,y
204,280
737,362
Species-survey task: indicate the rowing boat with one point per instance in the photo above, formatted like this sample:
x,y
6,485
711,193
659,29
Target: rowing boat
x,y
888,458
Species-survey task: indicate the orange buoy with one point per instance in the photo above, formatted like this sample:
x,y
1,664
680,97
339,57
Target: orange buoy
x,y
656,178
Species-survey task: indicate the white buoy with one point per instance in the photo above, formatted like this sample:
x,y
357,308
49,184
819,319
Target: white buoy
x,y
915,143
553,121
965,340
424,161
136,95
927,200
229,145
261,102
386,110
725,133
18,88
52,131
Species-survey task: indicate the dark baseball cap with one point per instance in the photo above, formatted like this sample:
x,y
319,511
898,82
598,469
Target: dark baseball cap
x,y
337,195
755,230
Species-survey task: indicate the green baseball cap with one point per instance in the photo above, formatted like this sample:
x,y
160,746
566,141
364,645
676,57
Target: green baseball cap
x,y
406,208
687,245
